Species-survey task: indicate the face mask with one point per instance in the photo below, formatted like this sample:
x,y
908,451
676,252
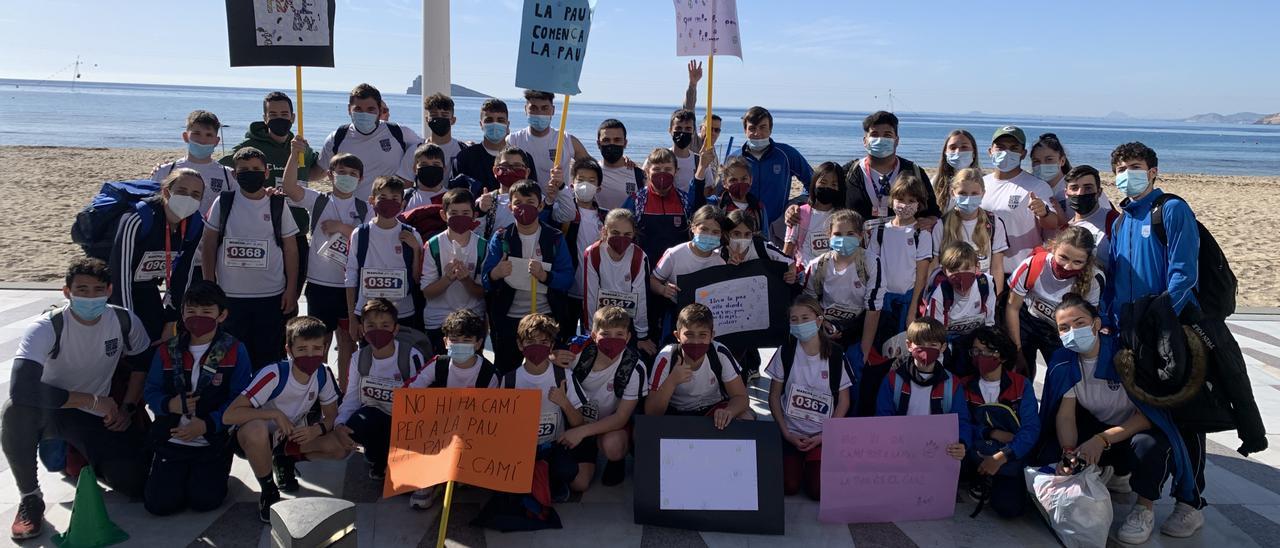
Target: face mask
x,y
1005,160
88,308
739,190
1079,339
387,208
739,245
968,204
925,355
694,351
183,206
365,122
757,144
197,150
430,176
525,214
706,242
611,153
508,177
826,195
536,353
681,139
540,122
584,192
880,147
1064,273
845,245
279,126
345,183
611,346
663,181
1046,172
462,224
905,210
199,326
439,126
251,181
461,352
308,364
804,331
959,159
494,132
986,364
1132,182
1083,203
379,337
619,244
962,281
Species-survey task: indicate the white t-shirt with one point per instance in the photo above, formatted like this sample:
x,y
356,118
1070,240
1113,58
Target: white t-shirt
x,y
502,215
1047,291
451,151
990,390
619,184
376,389
379,151
295,400
520,304
421,197
1106,400
197,352
384,274
551,418
966,313
892,267
1009,200
217,178
685,168
250,262
921,402
613,283
999,238
543,151
844,292
588,233
703,390
327,264
1096,224
680,259
455,297
88,354
458,377
806,397
815,241
602,400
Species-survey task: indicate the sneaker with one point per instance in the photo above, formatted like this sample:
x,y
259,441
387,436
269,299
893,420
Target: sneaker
x,y
979,490
1138,526
560,493
1106,473
1119,484
29,519
614,473
264,504
377,473
422,499
1183,522
286,474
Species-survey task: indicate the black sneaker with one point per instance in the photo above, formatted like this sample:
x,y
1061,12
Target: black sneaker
x,y
265,501
377,472
614,472
286,474
560,493
27,523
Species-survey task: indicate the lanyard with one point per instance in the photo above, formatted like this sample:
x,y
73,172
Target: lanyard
x,y
879,187
168,264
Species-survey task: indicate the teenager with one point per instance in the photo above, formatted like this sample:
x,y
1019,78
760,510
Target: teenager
x,y
616,273
807,237
619,179
562,397
662,215
966,221
1017,197
539,138
697,376
440,120
477,161
431,169
386,148
959,151
1090,208
872,177
1050,164
681,129
772,164
201,137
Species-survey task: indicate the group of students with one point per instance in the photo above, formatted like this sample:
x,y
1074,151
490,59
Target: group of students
x,y
421,250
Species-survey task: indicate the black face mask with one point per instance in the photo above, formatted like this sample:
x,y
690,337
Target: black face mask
x,y
279,126
251,181
439,126
430,176
681,139
611,153
826,195
1083,203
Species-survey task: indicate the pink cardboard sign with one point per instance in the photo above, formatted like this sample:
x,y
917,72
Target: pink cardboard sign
x,y
879,469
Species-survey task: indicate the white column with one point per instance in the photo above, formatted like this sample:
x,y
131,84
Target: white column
x,y
435,52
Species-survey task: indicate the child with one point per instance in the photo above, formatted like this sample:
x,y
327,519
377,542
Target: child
x,y
735,176
582,221
922,374
202,139
385,260
817,387
271,414
451,265
616,273
838,280
1071,270
697,376
510,167
687,257
193,378
899,262
463,364
250,252
612,376
962,299
965,221
807,238
429,169
662,220
746,244
1004,422
440,120
539,246
562,395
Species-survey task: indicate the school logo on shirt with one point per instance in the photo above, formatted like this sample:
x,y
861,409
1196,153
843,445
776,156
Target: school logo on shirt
x,y
1114,385
1146,231
824,375
676,220
311,395
385,144
626,278
266,217
111,346
397,251
777,170
215,185
217,379
609,387
1014,201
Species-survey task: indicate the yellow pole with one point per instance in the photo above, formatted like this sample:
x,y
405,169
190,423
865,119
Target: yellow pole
x,y
444,514
297,78
533,288
564,116
711,77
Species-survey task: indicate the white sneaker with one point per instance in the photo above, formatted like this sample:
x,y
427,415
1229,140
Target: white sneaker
x,y
1183,522
1105,473
1138,526
1119,484
422,499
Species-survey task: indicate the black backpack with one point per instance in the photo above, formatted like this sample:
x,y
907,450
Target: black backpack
x,y
1216,284
228,198
441,378
621,376
835,367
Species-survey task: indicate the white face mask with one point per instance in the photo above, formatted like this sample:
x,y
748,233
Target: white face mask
x,y
740,245
345,183
584,192
183,206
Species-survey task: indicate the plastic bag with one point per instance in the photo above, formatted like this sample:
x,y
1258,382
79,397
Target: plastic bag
x,y
1077,507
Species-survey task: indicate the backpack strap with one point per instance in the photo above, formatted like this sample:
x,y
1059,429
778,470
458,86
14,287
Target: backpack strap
x,y
277,214
586,360
397,132
225,200
1038,258
509,379
948,390
626,368
403,352
835,371
1112,215
637,261
123,319
713,360
339,136
1157,216
984,290
895,385
407,251
433,247
819,275
441,378
322,201
282,370
362,243
364,360
788,358
561,376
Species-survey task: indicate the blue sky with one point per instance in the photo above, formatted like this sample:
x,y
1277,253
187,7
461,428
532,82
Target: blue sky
x,y
1148,59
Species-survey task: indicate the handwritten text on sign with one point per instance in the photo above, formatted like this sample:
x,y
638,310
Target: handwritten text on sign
x,y
479,436
737,305
292,22
553,43
878,469
707,27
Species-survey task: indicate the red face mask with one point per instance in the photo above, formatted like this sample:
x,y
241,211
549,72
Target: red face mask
x,y
387,208
508,176
308,364
694,351
739,190
525,214
462,224
986,364
611,346
619,244
379,337
662,181
199,326
1064,273
926,355
962,281
536,353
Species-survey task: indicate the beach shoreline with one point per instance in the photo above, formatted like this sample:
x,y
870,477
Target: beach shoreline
x,y
45,186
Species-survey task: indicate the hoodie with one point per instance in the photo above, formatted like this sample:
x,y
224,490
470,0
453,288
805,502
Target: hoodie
x,y
277,153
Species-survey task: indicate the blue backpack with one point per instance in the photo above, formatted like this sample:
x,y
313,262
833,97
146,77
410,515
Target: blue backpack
x,y
95,226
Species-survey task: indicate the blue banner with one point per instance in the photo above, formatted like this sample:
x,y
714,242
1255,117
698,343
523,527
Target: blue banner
x,y
553,44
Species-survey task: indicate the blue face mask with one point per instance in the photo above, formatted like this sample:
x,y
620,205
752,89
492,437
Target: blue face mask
x,y
706,242
757,144
540,122
845,245
880,147
804,331
1132,182
1006,161
365,122
494,132
968,204
88,308
197,150
959,159
1079,340
461,352
1046,172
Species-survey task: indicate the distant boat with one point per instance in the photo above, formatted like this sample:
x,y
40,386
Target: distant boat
x,y
455,90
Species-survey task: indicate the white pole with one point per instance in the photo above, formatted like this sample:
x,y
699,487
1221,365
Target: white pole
x,y
435,52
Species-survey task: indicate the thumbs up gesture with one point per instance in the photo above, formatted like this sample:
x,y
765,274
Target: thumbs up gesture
x,y
1036,205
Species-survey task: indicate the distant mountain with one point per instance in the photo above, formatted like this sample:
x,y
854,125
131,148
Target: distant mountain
x,y
1215,118
454,90
1272,120
1117,115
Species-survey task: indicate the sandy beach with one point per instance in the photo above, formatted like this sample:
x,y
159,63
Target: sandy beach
x,y
44,187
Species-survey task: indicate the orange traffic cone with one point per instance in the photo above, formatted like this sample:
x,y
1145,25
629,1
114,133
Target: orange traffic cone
x,y
90,525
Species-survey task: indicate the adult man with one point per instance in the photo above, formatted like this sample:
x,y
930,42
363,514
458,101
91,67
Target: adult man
x,y
870,178
440,120
1016,197
476,161
61,379
773,164
385,148
621,177
539,139
682,131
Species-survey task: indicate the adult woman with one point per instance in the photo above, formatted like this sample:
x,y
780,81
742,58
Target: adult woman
x,y
959,151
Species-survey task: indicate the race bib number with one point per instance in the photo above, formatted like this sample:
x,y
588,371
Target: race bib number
x,y
840,314
984,264
964,326
152,267
620,299
335,249
376,392
807,405
875,223
819,242
386,283
590,411
244,253
1042,309
546,425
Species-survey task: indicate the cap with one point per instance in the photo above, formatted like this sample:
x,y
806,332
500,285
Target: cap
x,y
1012,131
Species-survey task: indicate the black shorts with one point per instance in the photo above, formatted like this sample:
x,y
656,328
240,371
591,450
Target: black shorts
x,y
327,304
587,452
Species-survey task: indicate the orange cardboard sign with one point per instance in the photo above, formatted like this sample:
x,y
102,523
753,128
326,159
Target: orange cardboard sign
x,y
485,437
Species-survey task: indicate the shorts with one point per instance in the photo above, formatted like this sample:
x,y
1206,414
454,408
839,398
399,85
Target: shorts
x,y
327,304
587,452
282,447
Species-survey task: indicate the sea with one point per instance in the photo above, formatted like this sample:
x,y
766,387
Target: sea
x,y
88,114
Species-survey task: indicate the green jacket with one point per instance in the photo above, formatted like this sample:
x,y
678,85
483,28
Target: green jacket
x,y
277,155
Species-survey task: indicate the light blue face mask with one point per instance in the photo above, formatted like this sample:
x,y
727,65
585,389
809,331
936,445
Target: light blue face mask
x,y
804,331
959,159
1006,161
845,245
1132,182
968,204
706,242
757,144
1079,339
345,183
1046,172
461,352
880,147
365,122
88,308
540,122
494,132
197,150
